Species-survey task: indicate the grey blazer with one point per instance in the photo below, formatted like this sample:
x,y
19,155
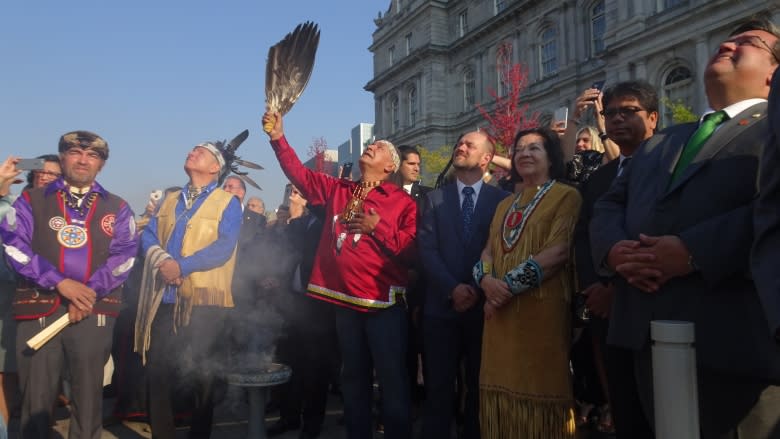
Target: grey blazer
x,y
710,207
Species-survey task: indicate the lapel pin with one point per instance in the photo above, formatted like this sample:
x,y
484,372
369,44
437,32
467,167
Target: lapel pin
x,y
756,115
744,122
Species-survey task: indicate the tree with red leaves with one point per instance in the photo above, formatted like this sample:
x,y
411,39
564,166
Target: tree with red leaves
x,y
508,116
317,150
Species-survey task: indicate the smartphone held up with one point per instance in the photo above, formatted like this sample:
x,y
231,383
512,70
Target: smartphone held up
x,y
561,118
30,164
346,171
598,85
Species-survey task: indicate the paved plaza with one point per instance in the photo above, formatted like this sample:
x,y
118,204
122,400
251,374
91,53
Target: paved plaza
x,y
230,422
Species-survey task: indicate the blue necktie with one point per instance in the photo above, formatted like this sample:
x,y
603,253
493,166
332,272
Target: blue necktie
x,y
467,210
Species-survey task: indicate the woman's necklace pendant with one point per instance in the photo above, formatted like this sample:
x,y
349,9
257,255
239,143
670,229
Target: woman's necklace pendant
x,y
514,219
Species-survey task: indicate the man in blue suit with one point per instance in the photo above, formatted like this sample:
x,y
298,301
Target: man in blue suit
x,y
451,235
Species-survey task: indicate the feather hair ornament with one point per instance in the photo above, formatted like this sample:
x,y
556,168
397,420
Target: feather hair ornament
x,y
232,161
288,68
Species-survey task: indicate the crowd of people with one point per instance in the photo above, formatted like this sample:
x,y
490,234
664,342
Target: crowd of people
x,y
489,308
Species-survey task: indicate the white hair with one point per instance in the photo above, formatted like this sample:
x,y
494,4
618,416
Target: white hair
x,y
393,153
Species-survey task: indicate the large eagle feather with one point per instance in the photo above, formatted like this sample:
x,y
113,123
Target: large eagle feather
x,y
289,66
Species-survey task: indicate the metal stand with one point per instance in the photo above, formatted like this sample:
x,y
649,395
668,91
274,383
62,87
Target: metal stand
x,y
257,382
257,399
674,380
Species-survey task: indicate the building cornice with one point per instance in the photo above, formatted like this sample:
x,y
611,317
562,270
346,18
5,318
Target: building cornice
x,y
402,66
389,28
475,36
645,30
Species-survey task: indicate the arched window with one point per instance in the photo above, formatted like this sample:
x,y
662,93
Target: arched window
x,y
412,106
677,90
469,84
548,52
394,120
598,25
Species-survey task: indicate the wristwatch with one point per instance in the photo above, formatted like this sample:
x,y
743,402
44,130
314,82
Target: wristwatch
x,y
603,137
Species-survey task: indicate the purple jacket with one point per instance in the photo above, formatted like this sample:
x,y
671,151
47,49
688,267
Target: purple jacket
x,y
17,230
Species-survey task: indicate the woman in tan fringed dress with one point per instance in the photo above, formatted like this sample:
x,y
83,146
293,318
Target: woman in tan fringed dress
x,y
525,386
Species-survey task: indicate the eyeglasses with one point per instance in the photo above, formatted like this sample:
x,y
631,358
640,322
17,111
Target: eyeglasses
x,y
624,112
47,173
755,41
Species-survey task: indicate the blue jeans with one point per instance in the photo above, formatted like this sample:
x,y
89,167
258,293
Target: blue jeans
x,y
375,340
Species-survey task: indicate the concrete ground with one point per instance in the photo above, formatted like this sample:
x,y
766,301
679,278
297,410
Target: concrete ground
x,y
230,422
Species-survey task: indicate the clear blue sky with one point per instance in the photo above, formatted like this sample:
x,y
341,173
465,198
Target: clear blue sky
x,y
155,78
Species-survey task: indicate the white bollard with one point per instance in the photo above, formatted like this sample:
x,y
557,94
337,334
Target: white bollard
x,y
674,380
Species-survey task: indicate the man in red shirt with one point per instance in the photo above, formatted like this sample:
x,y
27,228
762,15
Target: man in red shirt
x,y
362,264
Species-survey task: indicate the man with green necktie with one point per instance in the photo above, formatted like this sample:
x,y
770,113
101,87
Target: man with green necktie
x,y
675,230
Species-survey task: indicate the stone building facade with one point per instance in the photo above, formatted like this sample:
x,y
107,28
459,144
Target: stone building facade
x,y
435,59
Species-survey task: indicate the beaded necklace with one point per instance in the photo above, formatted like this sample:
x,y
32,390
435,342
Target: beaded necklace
x,y
192,194
517,216
355,203
79,202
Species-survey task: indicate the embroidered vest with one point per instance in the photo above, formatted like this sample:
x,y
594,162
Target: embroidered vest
x,y
211,287
49,217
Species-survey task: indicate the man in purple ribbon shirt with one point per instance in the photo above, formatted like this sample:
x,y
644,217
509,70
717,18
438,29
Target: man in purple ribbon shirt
x,y
73,244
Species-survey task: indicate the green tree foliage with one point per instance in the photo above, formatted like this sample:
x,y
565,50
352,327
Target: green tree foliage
x,y
433,161
681,113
